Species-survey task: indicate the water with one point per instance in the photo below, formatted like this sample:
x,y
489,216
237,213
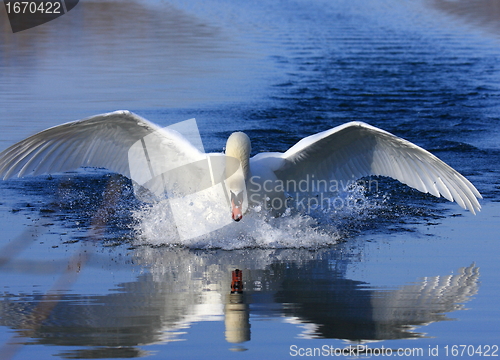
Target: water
x,y
88,271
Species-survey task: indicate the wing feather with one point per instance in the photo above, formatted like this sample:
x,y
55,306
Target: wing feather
x,y
99,141
356,149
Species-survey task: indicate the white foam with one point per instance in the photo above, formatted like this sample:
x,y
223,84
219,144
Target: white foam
x,y
156,226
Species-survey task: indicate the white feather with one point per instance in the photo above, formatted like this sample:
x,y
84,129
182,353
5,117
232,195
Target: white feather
x,y
99,141
344,153
357,149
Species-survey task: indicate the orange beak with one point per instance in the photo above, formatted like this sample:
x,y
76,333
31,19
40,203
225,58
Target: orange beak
x,y
236,204
236,213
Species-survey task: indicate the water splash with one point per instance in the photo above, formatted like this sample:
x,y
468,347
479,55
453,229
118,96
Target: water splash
x,y
314,227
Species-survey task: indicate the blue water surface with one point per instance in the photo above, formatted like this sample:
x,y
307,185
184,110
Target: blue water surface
x,y
82,277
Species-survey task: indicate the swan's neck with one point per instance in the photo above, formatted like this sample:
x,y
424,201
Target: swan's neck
x,y
238,146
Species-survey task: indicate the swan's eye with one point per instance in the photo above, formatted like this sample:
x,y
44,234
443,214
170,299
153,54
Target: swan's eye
x,y
237,200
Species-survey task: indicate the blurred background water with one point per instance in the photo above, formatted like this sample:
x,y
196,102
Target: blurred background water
x,y
88,272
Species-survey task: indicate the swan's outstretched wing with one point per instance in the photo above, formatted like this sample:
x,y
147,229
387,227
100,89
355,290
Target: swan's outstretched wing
x,y
356,149
99,141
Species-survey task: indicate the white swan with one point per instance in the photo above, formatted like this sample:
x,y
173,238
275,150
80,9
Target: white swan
x,y
343,153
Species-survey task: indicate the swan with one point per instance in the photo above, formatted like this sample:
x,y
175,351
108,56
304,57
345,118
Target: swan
x,y
342,154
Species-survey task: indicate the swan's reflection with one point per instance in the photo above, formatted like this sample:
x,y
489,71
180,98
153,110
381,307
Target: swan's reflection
x,y
346,309
184,287
236,311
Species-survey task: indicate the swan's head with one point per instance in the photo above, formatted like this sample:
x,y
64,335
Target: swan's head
x,y
238,147
237,205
